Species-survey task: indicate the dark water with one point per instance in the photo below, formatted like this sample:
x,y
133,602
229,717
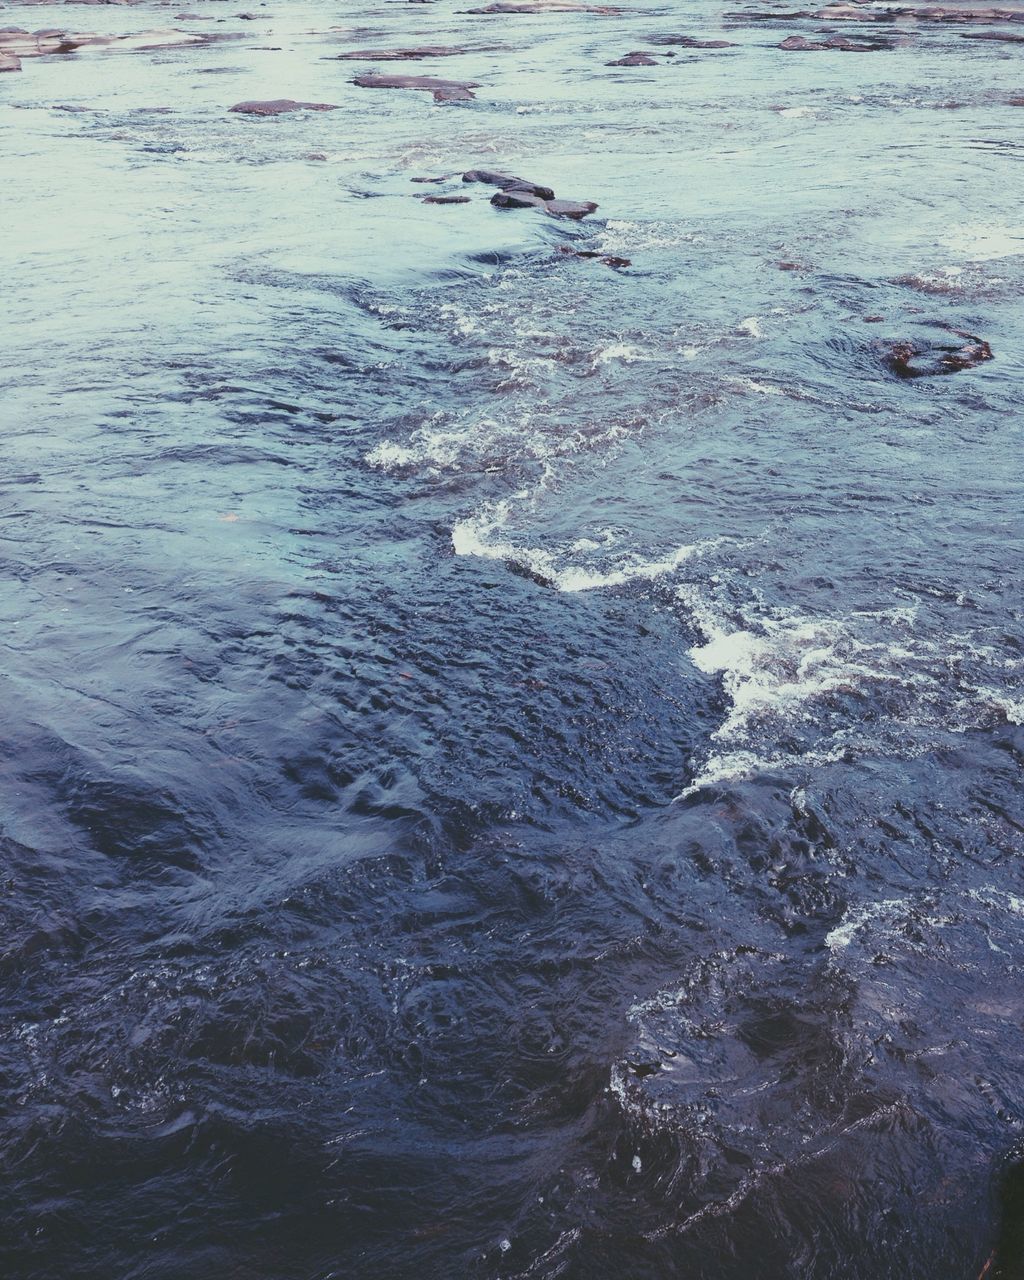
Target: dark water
x,y
511,766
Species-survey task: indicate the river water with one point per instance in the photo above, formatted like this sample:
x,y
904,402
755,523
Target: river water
x,y
511,763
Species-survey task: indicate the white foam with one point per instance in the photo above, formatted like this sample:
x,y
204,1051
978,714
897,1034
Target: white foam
x,y
751,327
839,938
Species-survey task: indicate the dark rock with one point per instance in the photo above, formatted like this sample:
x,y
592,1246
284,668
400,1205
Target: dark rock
x,y
397,55
1013,36
443,90
841,43
609,260
544,6
517,200
278,106
633,60
921,359
688,42
575,209
443,178
508,182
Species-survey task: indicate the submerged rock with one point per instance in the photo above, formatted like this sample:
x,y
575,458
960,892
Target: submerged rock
x,y
9,62
843,43
916,358
633,60
688,42
609,259
544,6
397,55
278,106
445,199
443,90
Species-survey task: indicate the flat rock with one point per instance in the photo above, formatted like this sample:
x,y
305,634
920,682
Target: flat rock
x,y
842,43
517,200
397,55
570,208
544,6
9,62
443,90
37,44
508,182
446,199
633,60
278,106
557,208
689,42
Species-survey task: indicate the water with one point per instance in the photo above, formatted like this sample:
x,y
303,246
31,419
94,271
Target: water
x,y
511,765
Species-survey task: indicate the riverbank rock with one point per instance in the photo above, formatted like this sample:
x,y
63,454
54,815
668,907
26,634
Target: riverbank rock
x,y
633,60
443,90
278,106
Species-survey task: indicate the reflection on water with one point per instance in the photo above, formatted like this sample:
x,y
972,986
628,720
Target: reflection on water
x,y
513,728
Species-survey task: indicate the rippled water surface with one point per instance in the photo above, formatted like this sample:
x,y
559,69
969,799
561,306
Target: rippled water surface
x,y
511,762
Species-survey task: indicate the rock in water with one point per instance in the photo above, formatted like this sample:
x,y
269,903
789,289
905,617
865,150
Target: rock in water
x,y
633,60
443,90
277,106
517,200
921,359
571,208
508,183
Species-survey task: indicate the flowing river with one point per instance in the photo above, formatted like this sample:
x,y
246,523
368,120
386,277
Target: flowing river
x,y
513,725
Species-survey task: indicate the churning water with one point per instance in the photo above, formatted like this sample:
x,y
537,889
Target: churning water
x,y
511,762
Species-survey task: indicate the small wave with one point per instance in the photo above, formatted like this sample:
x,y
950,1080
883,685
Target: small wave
x,y
476,536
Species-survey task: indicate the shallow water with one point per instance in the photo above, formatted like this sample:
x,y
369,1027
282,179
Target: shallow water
x,y
511,765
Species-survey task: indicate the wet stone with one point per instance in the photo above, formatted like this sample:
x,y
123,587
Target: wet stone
x,y
917,358
516,200
508,182
575,209
443,90
633,60
278,106
446,199
397,55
